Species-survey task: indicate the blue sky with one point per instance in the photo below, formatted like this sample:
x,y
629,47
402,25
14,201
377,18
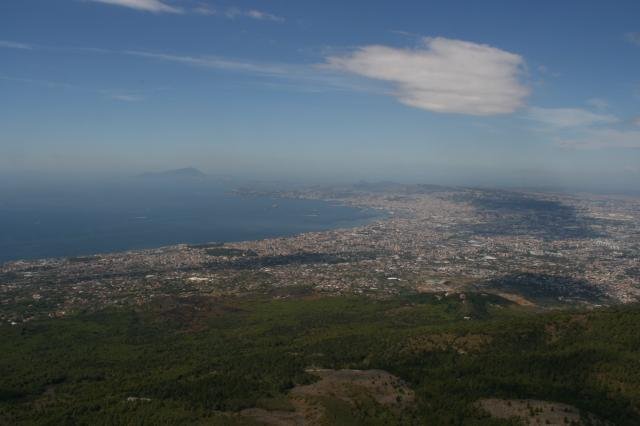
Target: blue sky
x,y
541,93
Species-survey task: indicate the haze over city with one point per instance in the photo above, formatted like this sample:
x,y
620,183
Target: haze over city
x,y
496,92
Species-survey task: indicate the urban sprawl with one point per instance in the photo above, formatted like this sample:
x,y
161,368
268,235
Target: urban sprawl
x,y
527,246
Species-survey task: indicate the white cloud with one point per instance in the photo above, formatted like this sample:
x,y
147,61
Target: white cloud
x,y
257,14
604,138
636,121
299,77
234,12
293,76
204,9
568,117
155,6
219,63
15,45
444,75
161,6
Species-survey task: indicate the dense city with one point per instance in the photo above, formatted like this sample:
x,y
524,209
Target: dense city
x,y
533,248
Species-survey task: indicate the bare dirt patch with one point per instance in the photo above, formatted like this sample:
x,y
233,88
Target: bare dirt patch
x,y
383,387
311,404
534,412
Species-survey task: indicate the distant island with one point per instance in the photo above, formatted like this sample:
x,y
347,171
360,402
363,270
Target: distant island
x,y
190,172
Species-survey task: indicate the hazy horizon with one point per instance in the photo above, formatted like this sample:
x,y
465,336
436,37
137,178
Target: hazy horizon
x,y
467,178
444,93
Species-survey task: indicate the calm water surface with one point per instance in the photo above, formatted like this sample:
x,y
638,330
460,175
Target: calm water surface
x,y
73,220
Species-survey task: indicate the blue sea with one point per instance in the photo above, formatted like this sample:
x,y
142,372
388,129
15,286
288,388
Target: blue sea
x,y
74,219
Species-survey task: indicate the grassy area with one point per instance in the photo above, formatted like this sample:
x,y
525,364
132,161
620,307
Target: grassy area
x,y
193,360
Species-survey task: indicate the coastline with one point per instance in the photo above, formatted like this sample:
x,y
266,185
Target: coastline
x,y
312,222
440,241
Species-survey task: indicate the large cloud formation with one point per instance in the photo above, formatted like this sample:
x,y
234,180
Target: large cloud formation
x,y
444,75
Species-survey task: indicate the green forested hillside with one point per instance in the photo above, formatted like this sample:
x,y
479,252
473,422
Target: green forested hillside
x,y
202,360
